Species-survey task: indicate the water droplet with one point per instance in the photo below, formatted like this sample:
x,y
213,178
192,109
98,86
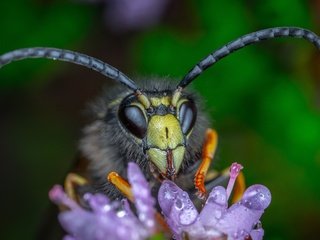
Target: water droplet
x,y
188,217
257,225
121,214
218,196
168,195
106,208
256,197
174,190
211,200
149,223
179,204
142,217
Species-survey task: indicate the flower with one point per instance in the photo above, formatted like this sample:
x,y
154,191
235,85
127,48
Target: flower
x,y
105,219
102,219
216,220
127,15
124,15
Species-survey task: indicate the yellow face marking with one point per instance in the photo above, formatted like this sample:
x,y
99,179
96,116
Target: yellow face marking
x,y
164,132
155,102
176,96
143,99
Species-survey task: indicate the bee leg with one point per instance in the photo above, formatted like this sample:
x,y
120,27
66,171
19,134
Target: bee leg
x,y
124,187
208,151
121,184
73,181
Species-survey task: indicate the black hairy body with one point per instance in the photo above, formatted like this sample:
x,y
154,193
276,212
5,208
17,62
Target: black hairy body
x,y
108,146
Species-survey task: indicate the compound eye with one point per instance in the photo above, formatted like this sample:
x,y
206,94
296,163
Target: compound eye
x,y
187,116
134,120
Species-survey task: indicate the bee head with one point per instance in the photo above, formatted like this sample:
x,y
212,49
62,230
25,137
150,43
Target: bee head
x,y
161,128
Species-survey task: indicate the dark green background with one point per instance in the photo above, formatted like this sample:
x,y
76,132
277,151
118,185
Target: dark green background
x,y
264,100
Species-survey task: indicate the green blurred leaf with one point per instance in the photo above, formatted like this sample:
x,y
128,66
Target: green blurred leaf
x,y
28,23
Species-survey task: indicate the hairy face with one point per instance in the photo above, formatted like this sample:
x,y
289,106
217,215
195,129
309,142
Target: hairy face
x,y
162,140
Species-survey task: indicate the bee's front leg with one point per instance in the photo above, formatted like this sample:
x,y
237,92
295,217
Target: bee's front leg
x,y
208,151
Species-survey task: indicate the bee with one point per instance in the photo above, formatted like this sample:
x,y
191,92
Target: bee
x,y
156,123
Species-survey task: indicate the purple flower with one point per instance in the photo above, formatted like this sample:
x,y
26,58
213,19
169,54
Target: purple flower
x,y
128,15
124,15
105,219
216,220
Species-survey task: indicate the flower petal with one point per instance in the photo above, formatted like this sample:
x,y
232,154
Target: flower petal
x,y
144,202
177,207
240,219
215,207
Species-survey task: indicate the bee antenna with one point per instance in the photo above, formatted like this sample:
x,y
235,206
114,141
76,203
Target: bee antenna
x,y
69,56
244,41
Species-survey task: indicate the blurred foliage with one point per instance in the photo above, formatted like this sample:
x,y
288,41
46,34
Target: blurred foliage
x,y
33,136
39,23
262,99
262,96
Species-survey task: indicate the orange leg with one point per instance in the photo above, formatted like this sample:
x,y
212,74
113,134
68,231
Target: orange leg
x,y
121,184
208,151
72,180
239,188
124,187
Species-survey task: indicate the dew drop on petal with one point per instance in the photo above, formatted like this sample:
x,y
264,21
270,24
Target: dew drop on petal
x,y
257,234
218,196
256,197
243,233
179,204
167,195
257,225
174,190
215,207
121,214
188,216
